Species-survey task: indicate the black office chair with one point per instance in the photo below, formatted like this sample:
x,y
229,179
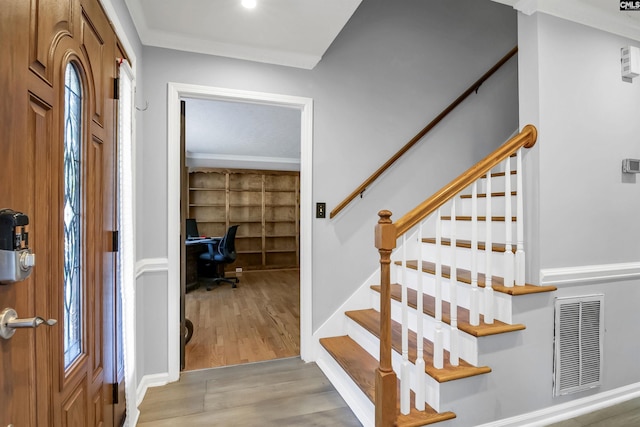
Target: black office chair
x,y
219,253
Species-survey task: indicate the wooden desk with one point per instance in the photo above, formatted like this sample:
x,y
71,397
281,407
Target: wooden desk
x,y
193,250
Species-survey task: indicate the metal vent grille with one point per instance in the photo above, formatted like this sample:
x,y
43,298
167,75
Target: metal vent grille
x,y
578,344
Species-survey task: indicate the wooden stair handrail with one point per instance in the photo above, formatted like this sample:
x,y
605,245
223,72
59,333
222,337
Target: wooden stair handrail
x,y
473,88
526,138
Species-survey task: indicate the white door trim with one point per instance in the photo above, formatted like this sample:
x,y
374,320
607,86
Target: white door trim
x,y
176,91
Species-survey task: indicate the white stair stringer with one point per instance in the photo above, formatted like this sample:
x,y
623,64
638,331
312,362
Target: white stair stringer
x,y
335,325
358,402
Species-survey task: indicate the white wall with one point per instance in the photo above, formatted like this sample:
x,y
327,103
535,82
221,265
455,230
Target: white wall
x,y
582,211
391,70
590,121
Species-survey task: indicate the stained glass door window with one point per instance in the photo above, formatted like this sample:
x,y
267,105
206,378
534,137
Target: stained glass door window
x,y
72,216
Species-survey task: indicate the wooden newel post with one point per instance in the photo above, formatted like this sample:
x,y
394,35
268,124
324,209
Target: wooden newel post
x,y
386,381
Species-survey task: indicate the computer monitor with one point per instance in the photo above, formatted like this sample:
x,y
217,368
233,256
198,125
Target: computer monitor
x,y
192,229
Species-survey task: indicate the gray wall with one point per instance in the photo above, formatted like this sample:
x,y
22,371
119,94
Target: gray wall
x,y
392,69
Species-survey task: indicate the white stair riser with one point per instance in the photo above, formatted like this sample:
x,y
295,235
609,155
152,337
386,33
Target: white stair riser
x,y
502,302
463,231
463,258
497,183
498,206
371,344
468,345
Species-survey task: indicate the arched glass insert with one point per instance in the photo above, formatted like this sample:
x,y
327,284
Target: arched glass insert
x,y
72,216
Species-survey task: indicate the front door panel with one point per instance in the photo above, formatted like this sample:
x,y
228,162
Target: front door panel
x,y
39,39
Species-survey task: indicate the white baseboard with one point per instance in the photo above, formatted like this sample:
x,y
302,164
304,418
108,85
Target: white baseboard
x,y
131,420
336,323
153,380
148,265
575,408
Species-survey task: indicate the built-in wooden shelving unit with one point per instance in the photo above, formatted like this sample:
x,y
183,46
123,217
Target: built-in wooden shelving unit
x,y
265,205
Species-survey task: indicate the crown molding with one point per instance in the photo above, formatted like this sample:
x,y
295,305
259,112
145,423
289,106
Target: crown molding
x,y
602,16
242,162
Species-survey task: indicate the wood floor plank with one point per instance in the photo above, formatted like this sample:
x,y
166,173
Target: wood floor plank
x,y
621,415
272,393
259,320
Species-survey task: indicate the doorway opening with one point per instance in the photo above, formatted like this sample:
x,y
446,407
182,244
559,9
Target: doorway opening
x,y
241,180
178,92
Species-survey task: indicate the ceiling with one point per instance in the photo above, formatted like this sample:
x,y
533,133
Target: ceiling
x,y
240,135
294,33
602,14
297,33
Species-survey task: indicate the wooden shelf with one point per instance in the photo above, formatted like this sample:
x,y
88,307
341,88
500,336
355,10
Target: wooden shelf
x,y
265,204
205,189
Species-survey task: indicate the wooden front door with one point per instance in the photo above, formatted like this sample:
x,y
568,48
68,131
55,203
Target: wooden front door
x,y
57,165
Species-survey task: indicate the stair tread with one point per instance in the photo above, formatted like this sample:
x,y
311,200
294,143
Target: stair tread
x,y
484,195
463,243
464,276
429,304
480,218
513,172
361,368
370,320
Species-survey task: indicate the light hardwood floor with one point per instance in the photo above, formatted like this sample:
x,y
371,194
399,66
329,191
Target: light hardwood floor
x,y
283,392
259,320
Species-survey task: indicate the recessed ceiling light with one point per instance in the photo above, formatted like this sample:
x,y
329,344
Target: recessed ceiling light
x,y
249,4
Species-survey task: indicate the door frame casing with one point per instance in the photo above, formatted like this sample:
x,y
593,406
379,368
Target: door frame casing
x,y
178,91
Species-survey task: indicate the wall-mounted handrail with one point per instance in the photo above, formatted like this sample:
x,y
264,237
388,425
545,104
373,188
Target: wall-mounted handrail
x,y
473,88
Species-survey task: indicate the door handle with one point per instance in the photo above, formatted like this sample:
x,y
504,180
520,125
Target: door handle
x,y
9,322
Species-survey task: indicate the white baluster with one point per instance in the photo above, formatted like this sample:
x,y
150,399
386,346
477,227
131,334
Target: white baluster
x,y
474,309
454,352
421,383
520,255
508,242
438,348
405,382
488,250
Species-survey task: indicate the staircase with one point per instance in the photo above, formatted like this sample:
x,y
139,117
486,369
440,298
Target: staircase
x,y
454,279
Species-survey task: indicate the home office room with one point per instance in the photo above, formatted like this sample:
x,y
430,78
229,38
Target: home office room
x,y
240,209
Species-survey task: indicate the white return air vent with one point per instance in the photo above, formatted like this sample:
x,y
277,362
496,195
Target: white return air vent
x,y
578,344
